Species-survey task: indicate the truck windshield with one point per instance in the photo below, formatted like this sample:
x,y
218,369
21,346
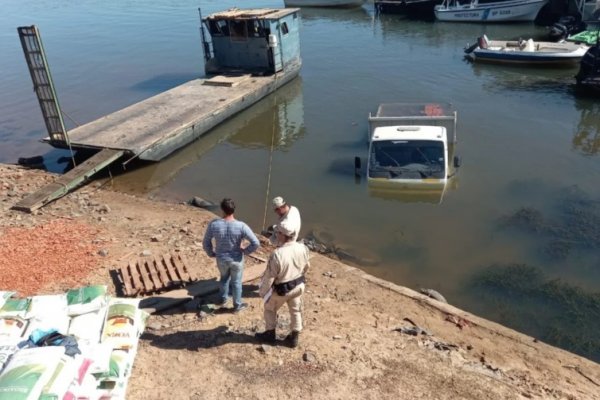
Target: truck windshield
x,y
407,159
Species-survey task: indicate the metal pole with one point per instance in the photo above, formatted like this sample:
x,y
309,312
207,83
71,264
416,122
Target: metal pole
x,y
205,46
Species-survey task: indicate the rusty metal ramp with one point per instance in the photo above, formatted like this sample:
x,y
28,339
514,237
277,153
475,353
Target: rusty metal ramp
x,y
149,275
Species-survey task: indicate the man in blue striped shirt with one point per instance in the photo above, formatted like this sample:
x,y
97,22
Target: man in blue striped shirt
x,y
228,234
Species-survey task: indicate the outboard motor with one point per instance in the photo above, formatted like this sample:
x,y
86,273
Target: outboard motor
x,y
590,65
565,26
483,42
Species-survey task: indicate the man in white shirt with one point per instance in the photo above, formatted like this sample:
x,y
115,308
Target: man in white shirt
x,y
289,218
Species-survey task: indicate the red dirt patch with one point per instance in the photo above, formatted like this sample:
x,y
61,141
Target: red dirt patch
x,y
60,251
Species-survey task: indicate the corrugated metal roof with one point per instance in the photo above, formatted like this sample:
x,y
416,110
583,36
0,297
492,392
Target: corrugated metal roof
x,y
253,13
415,109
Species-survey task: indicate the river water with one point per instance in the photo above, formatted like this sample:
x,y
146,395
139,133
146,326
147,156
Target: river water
x,y
514,236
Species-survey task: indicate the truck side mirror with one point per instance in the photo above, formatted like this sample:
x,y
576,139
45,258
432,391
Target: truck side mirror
x,y
457,162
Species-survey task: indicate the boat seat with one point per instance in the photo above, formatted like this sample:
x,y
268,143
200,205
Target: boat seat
x,y
483,42
529,45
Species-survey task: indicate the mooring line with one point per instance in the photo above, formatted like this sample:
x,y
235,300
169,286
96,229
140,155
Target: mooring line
x,y
270,166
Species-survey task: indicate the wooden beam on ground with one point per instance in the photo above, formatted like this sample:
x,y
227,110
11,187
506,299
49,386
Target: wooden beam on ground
x,y
258,258
173,298
69,181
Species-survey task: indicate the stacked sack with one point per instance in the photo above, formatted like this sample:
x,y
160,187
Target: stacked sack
x,y
78,345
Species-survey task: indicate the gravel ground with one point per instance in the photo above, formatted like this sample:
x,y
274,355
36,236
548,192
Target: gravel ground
x,y
363,339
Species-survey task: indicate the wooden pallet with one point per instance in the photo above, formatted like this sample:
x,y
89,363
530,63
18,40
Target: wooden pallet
x,y
204,287
149,275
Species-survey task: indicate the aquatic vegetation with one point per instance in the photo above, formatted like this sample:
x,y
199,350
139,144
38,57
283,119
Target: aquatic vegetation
x,y
575,223
551,310
527,219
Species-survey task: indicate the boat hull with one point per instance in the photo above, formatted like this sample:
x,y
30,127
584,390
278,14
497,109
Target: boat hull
x,y
544,53
410,8
534,59
505,11
324,3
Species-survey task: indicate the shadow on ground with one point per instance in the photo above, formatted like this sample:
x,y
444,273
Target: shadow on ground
x,y
196,340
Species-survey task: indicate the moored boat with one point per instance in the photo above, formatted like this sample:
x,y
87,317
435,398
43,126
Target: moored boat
x,y
499,11
589,37
525,52
411,8
323,3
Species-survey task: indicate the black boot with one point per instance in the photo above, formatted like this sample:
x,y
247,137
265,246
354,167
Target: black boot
x,y
266,336
291,340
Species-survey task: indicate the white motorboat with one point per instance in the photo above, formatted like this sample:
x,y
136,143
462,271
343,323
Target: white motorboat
x,y
323,3
526,52
496,11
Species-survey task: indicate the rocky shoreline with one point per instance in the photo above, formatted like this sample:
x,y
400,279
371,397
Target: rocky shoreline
x,y
364,337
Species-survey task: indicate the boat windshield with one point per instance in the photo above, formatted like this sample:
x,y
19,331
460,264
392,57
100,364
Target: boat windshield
x,y
407,159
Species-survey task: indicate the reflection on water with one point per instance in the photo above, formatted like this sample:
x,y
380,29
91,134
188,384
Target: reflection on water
x,y
356,15
519,79
587,134
419,192
407,192
276,120
437,34
163,82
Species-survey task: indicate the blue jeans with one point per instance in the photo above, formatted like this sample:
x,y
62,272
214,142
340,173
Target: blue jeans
x,y
231,275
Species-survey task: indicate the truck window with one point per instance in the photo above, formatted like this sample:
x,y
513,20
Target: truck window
x,y
413,159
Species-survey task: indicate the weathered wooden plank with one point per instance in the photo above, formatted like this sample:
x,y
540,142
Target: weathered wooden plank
x,y
257,258
153,265
172,274
145,277
135,276
157,126
224,80
172,298
185,277
192,269
69,181
162,272
126,277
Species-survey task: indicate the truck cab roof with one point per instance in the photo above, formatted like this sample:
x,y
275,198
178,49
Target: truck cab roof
x,y
409,132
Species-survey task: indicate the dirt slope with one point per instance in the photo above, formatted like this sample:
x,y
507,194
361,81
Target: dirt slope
x,y
352,346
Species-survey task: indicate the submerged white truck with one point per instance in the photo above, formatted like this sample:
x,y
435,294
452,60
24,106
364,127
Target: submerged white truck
x,y
411,151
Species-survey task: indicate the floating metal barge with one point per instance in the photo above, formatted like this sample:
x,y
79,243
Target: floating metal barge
x,y
248,55
251,53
